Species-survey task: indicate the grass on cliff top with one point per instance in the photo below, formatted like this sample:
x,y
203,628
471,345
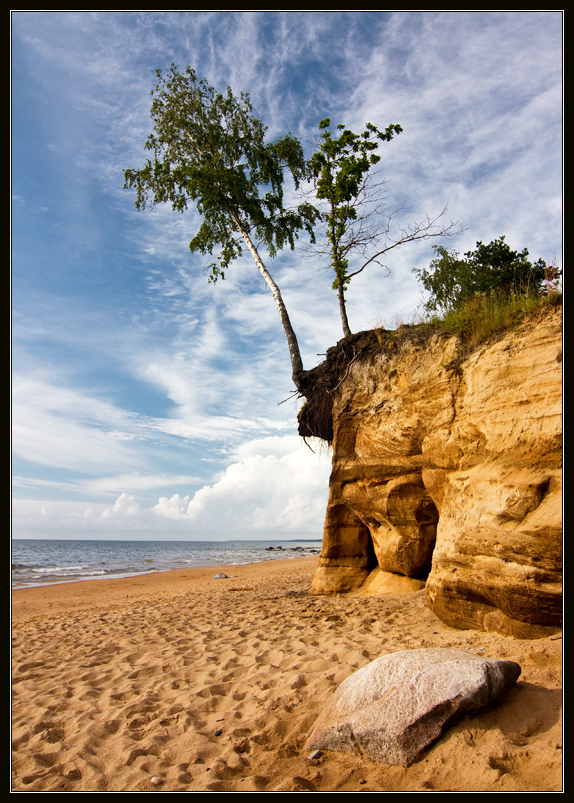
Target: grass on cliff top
x,y
484,316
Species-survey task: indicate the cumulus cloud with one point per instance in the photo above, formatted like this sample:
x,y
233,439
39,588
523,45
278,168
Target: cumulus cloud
x,y
173,508
276,485
272,485
125,506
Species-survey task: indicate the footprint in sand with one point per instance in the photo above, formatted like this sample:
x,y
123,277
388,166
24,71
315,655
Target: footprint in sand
x,y
28,779
133,657
120,696
51,733
138,722
90,694
140,751
102,730
46,759
28,666
217,689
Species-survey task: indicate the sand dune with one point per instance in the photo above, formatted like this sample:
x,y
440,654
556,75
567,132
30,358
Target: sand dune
x,y
179,682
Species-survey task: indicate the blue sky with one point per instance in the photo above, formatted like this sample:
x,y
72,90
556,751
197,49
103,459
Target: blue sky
x,y
146,402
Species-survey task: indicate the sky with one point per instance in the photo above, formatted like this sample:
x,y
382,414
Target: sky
x,y
148,403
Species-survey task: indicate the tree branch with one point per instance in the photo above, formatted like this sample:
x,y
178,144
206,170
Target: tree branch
x,y
425,230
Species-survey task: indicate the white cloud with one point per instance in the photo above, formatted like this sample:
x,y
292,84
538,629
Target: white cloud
x,y
273,486
276,485
65,428
108,486
173,508
137,482
125,507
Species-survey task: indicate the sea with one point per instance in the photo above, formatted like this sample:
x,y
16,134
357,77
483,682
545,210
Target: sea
x,y
38,562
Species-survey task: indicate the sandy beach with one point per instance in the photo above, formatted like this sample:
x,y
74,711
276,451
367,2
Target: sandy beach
x,y
212,685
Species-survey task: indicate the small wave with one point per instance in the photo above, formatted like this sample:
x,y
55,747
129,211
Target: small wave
x,y
58,569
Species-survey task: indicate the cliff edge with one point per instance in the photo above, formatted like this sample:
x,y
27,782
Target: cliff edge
x,y
446,472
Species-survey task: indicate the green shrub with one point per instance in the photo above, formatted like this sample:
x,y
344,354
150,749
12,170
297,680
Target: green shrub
x,y
453,282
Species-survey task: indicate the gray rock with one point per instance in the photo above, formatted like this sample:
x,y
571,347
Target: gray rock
x,y
220,576
393,708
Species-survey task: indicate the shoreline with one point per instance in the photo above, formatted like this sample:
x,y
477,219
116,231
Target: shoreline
x,y
200,560
213,685
86,588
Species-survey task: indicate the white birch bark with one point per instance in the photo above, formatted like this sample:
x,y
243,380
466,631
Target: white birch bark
x,y
295,354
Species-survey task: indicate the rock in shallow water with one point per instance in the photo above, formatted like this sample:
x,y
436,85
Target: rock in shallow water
x,y
393,708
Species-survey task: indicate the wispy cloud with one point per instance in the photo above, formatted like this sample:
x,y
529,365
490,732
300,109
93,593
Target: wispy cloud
x,y
55,426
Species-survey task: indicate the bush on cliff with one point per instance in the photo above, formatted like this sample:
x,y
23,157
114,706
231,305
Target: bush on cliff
x,y
492,269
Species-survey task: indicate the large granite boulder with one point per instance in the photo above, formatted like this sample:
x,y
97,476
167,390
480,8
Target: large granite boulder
x,y
396,706
448,471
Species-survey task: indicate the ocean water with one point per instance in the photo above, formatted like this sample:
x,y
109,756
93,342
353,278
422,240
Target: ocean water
x,y
43,562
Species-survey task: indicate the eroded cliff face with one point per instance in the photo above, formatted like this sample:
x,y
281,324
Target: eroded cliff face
x,y
447,475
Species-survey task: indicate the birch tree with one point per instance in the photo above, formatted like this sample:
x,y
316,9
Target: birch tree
x,y
208,149
355,222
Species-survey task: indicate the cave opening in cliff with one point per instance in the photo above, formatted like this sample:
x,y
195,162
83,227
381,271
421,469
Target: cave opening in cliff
x,y
348,539
365,542
427,517
393,533
405,541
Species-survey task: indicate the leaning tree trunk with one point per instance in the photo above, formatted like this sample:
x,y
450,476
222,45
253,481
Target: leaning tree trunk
x,y
343,309
295,354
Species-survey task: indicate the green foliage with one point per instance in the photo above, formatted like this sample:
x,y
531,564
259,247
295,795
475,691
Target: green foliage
x,y
208,149
490,269
340,167
488,315
355,219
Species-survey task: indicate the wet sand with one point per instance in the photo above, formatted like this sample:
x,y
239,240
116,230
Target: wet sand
x,y
212,685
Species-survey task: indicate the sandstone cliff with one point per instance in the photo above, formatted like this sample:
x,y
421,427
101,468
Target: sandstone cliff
x,y
446,472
